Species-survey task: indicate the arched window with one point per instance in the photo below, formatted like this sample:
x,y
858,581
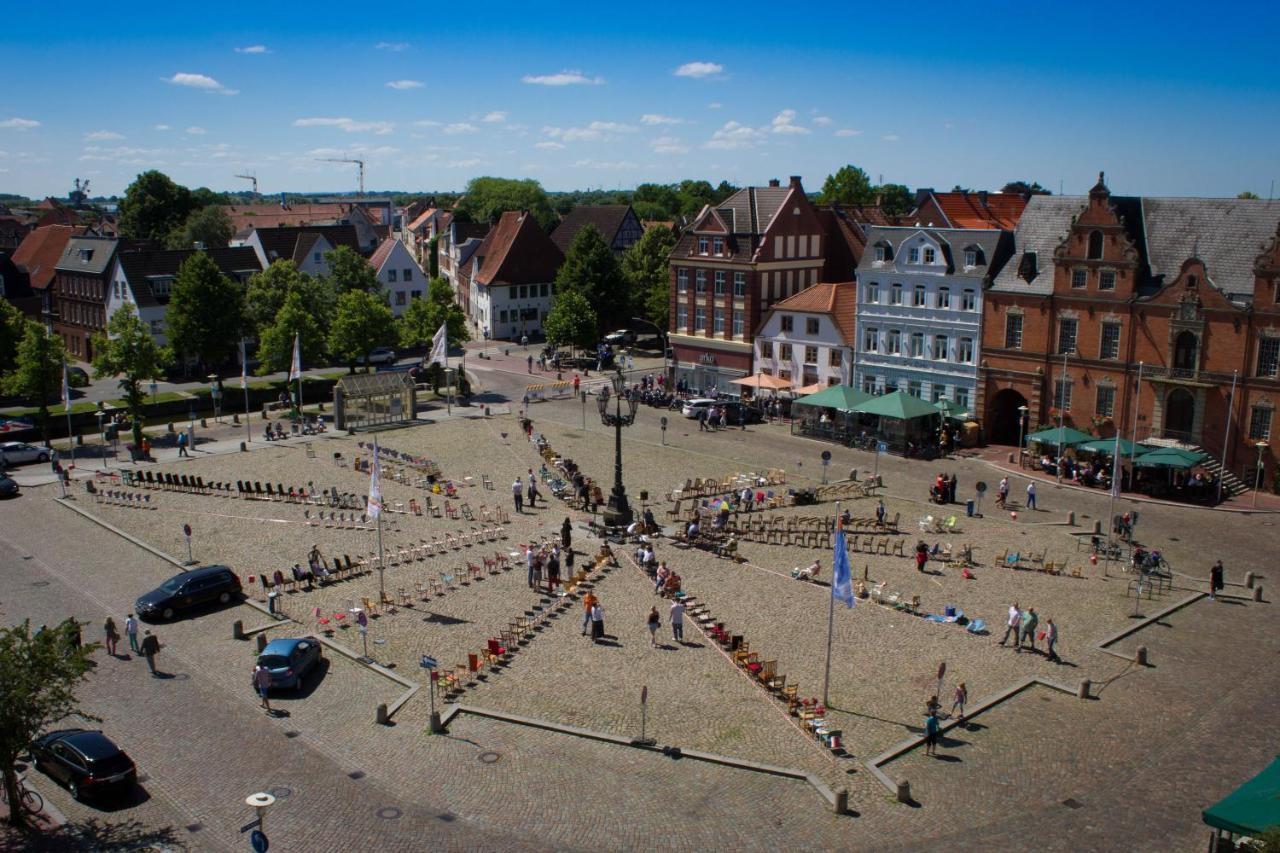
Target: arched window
x,y
1095,246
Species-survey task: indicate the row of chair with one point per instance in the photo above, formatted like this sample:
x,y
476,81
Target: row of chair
x,y
343,568
121,497
164,480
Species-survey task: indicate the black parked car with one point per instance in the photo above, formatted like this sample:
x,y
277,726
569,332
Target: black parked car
x,y
734,411
189,590
8,487
87,762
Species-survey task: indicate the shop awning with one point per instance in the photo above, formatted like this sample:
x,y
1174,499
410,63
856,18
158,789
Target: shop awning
x,y
951,409
1170,457
899,405
762,380
1108,446
1250,809
1065,436
808,389
841,397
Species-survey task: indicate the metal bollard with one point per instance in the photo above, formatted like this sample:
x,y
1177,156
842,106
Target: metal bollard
x,y
1248,580
243,448
841,805
853,475
262,642
237,630
382,716
1071,518
904,791
1140,656
1257,593
1082,692
1097,527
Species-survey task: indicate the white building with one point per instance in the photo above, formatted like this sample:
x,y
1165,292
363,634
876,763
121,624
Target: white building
x,y
511,279
808,338
306,246
400,276
919,312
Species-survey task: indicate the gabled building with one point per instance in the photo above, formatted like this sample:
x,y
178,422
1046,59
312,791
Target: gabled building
x,y
919,320
979,209
399,275
1186,287
305,246
513,271
13,229
79,292
37,256
458,242
422,229
144,278
617,224
808,339
736,259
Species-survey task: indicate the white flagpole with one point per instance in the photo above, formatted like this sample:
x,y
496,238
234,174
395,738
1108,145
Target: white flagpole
x,y
66,406
1226,441
244,386
375,506
831,619
1133,451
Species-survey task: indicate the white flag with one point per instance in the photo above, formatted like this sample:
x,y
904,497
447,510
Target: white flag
x,y
1117,468
440,345
374,507
295,369
244,369
66,389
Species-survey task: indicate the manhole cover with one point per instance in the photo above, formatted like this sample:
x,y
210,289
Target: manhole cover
x,y
1072,804
447,817
388,813
39,583
292,734
357,774
281,792
488,757
195,827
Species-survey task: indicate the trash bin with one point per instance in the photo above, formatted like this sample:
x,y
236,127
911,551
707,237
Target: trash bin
x,y
968,508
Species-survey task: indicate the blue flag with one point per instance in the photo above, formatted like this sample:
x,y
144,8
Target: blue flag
x,y
841,577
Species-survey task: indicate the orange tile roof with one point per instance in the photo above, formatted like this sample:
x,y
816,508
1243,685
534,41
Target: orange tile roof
x,y
40,250
839,299
967,210
518,251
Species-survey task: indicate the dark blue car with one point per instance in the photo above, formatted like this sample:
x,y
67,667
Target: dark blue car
x,y
289,660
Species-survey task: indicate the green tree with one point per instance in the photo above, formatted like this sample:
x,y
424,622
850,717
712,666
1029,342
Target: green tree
x,y
129,351
693,195
209,226
849,185
39,675
572,321
12,327
205,317
647,268
723,190
656,201
1026,189
349,271
275,342
591,268
153,206
896,199
1248,195
205,197
363,322
268,290
38,370
423,317
487,198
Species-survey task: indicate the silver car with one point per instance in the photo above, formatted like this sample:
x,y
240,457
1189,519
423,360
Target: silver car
x,y
19,453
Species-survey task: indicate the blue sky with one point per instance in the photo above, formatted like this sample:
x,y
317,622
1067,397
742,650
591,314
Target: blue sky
x,y
1167,99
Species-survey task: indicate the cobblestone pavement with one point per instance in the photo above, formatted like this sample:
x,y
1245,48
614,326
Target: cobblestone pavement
x,y
1019,762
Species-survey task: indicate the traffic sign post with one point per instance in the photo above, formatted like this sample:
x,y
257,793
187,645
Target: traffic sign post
x,y
664,430
429,664
881,447
584,409
186,533
644,708
826,460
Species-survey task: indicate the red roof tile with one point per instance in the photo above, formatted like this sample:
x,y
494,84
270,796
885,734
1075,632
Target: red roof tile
x,y
518,251
840,300
40,250
982,210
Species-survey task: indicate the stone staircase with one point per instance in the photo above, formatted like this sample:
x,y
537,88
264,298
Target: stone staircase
x,y
1231,484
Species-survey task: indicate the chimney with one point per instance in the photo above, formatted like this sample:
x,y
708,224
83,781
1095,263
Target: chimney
x,y
982,197
795,181
922,195
774,182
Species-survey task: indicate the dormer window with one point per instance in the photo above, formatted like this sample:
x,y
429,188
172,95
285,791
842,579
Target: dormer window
x,y
1028,268
913,255
718,246
86,255
970,258
703,244
930,255
884,252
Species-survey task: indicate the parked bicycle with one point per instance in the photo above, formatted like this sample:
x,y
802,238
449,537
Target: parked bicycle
x,y
32,803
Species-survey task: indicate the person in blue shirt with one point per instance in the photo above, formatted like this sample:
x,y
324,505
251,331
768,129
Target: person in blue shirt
x,y
931,734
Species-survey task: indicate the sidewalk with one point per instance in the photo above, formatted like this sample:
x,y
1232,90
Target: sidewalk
x,y
998,457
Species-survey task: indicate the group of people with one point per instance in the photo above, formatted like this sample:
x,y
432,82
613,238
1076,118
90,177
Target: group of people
x,y
148,646
943,490
712,418
933,714
1021,625
520,489
1002,494
543,565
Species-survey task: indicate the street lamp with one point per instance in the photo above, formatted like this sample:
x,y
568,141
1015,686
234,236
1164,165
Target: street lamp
x,y
1022,422
1257,477
618,512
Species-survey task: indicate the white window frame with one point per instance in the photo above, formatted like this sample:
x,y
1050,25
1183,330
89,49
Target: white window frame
x,y
968,299
871,339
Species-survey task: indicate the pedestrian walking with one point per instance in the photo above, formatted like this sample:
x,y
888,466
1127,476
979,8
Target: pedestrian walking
x,y
1051,639
655,622
537,572
1215,580
597,622
182,443
111,634
566,534
1031,495
577,383
1012,624
1002,492
880,513
588,601
958,699
530,359
553,571
531,558
1029,622
517,495
150,648
262,681
677,621
931,734
131,631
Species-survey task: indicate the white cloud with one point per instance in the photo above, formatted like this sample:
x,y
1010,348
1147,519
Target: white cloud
x,y
657,118
734,135
347,124
103,136
253,48
19,123
358,150
668,145
199,81
564,78
405,84
822,121
698,69
714,105
613,165
426,122
460,127
844,131
465,164
393,46
196,131
549,146
891,137
590,132
161,127
124,154
495,117
784,122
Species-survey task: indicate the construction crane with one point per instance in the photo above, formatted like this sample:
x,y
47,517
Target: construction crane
x,y
359,163
250,177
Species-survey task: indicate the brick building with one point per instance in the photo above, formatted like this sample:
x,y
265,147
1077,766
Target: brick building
x,y
79,292
1097,284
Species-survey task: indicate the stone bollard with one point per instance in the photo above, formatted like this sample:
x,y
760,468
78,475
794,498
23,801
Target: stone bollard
x,y
904,791
1071,518
1097,527
1248,580
204,423
1010,457
235,419
437,727
841,805
1140,656
1257,593
170,426
382,717
1082,692
237,630
262,642
79,439
243,449
853,475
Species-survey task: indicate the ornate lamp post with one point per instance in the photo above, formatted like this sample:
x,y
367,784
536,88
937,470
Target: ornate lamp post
x,y
618,511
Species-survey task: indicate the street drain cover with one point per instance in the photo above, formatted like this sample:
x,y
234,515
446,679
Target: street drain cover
x,y
39,583
195,827
489,757
281,792
357,774
447,817
389,813
292,734
1072,804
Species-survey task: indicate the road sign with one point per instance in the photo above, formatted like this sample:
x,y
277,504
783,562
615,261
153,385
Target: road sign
x,y
258,839
979,487
826,456
186,530
664,421
882,447
428,662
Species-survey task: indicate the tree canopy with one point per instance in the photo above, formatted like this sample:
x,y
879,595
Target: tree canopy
x,y
1026,189
205,317
647,269
349,271
896,199
591,269
129,351
423,318
37,373
275,341
209,226
12,327
849,185
572,321
487,198
1248,195
268,290
153,207
362,323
